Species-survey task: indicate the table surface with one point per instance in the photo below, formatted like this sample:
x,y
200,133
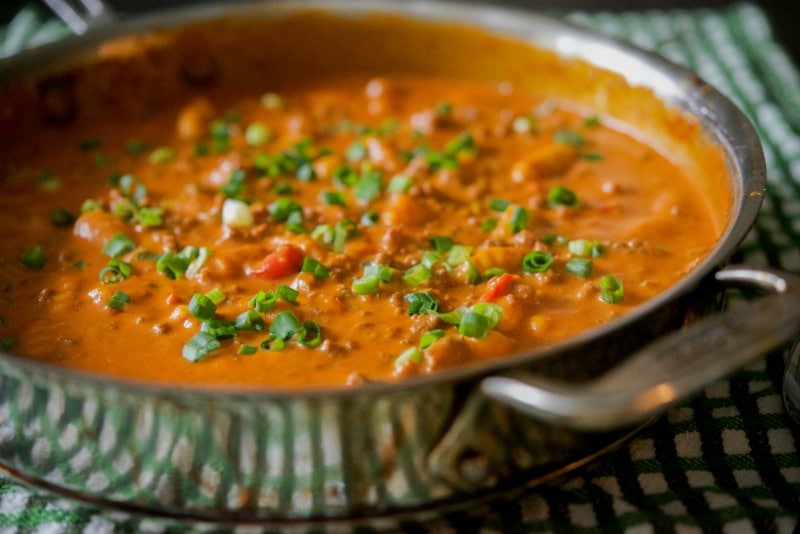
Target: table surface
x,y
725,460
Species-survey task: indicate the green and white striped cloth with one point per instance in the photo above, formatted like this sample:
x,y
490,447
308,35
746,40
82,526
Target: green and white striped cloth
x,y
725,461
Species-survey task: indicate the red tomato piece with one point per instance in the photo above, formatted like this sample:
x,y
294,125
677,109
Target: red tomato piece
x,y
283,261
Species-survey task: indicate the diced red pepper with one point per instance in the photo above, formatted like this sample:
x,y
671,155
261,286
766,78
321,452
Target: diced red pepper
x,y
283,261
499,286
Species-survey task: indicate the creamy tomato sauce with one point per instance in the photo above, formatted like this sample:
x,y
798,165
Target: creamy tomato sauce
x,y
354,229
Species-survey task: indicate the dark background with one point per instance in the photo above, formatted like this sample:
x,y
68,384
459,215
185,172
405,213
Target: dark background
x,y
784,14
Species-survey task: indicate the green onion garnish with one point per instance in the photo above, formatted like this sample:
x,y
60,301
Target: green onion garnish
x,y
333,198
257,134
61,218
473,325
420,303
580,267
368,186
356,151
417,274
249,320
247,350
410,355
519,219
611,289
118,245
430,337
6,343
441,243
116,271
202,307
310,265
489,224
537,261
118,300
216,295
285,325
370,218
569,137
498,204
400,183
33,257
162,154
310,335
199,346
561,196
219,329
235,185
282,208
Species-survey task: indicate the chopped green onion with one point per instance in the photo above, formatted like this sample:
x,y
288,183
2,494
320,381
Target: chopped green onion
x,y
162,154
249,320
294,223
345,176
118,245
431,258
492,312
202,307
417,274
457,255
471,273
118,300
219,329
116,271
611,289
443,109
216,295
150,217
591,122
344,230
310,265
498,204
519,219
554,239
323,234
489,224
400,183
333,198
452,317
33,257
580,247
47,182
197,258
199,346
410,355
430,337
257,134
90,204
263,301
172,265
569,137
493,271
287,293
61,218
474,325
235,185
247,350
537,261
273,343
310,335
580,267
370,218
356,151
441,243
366,285
283,188
285,325
282,208
561,196
368,186
421,303
592,156
6,343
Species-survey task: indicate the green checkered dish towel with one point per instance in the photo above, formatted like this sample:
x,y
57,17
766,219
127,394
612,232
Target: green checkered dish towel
x,y
725,460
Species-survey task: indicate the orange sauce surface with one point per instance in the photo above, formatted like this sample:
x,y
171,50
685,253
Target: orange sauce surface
x,y
394,185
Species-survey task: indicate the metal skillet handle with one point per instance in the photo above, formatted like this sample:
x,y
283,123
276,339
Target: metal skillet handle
x,y
670,369
80,15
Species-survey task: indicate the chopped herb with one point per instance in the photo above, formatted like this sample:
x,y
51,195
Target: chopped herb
x,y
283,188
282,208
118,300
90,204
611,289
356,151
498,204
345,176
310,265
219,329
591,122
216,295
234,187
430,337
580,267
561,196
417,274
370,218
310,335
400,183
247,350
285,325
249,320
489,224
161,155
294,223
591,156
118,245
333,198
443,109
519,219
369,185
33,257
202,307
420,303
116,271
473,325
257,134
199,346
61,218
569,137
410,355
344,230
457,255
537,261
441,243
374,274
